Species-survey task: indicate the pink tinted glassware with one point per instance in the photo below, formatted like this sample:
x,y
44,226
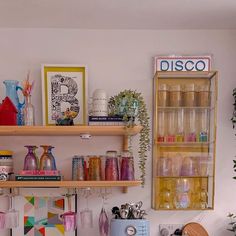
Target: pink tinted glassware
x,y
69,217
127,166
2,220
31,161
111,166
165,166
103,223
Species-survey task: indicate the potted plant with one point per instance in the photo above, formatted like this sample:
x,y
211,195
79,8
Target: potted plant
x,y
232,223
233,119
131,106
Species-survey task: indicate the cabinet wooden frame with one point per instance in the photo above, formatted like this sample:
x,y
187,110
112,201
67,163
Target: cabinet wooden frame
x,y
203,147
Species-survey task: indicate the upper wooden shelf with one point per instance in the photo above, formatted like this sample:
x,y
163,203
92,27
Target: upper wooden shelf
x,y
68,130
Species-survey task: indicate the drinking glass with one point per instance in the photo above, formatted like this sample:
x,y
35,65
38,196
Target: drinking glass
x,y
47,161
111,166
12,215
69,217
161,126
165,166
182,200
31,161
176,164
189,167
182,185
95,172
2,220
86,215
127,166
171,131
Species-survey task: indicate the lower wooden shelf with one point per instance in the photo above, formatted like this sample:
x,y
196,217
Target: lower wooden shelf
x,y
69,184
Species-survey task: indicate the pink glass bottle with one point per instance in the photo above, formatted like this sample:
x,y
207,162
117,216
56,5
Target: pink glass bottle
x,y
31,162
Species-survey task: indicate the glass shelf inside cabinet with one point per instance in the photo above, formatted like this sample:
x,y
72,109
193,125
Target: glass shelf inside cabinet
x,y
184,144
185,108
184,193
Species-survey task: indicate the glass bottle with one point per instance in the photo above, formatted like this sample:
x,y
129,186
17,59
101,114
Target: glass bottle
x,y
31,162
28,112
46,160
127,166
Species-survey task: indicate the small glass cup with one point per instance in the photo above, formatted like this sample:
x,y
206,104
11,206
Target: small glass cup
x,y
11,215
189,167
78,172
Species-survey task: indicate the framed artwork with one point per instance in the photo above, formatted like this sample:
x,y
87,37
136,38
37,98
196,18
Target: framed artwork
x,y
64,94
40,216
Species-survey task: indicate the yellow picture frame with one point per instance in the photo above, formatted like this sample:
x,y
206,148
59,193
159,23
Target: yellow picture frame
x,y
64,91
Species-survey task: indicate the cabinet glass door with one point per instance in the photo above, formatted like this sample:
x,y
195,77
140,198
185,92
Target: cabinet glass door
x,y
184,134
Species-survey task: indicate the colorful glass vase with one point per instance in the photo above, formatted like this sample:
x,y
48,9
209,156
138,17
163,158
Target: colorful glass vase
x,y
31,161
11,92
47,160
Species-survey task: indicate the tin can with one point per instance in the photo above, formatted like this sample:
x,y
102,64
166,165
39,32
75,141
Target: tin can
x,y
6,164
78,168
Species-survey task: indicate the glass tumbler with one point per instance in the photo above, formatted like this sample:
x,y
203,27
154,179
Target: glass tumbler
x,y
95,172
111,166
78,167
165,166
127,166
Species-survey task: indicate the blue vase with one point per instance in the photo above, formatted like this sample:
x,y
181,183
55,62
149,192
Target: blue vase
x,y
11,92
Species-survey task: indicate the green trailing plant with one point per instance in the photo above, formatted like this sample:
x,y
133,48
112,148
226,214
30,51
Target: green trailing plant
x,y
233,119
131,106
232,222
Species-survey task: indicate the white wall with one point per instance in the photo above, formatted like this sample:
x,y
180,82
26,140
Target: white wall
x,y
117,60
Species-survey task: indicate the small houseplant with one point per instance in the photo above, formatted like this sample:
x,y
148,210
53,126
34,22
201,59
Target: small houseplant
x,y
233,119
131,106
232,223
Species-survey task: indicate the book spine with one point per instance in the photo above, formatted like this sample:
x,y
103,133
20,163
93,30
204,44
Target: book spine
x,y
106,123
38,178
39,172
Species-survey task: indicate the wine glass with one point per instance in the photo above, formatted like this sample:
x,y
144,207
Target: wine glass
x,y
103,222
11,215
69,217
86,215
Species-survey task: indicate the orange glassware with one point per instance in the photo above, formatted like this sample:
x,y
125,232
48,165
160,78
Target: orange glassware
x,y
95,172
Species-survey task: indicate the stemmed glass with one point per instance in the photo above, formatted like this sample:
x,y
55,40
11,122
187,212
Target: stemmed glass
x,y
86,215
69,217
11,215
103,218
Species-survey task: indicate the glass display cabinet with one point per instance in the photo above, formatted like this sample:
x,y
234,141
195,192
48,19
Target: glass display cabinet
x,y
184,139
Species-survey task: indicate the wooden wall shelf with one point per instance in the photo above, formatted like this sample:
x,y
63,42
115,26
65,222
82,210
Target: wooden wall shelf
x,y
68,130
68,184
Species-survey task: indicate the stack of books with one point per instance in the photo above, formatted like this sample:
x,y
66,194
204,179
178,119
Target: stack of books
x,y
106,120
38,175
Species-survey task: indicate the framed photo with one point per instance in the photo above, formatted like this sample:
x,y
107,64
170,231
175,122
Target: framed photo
x,y
64,94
